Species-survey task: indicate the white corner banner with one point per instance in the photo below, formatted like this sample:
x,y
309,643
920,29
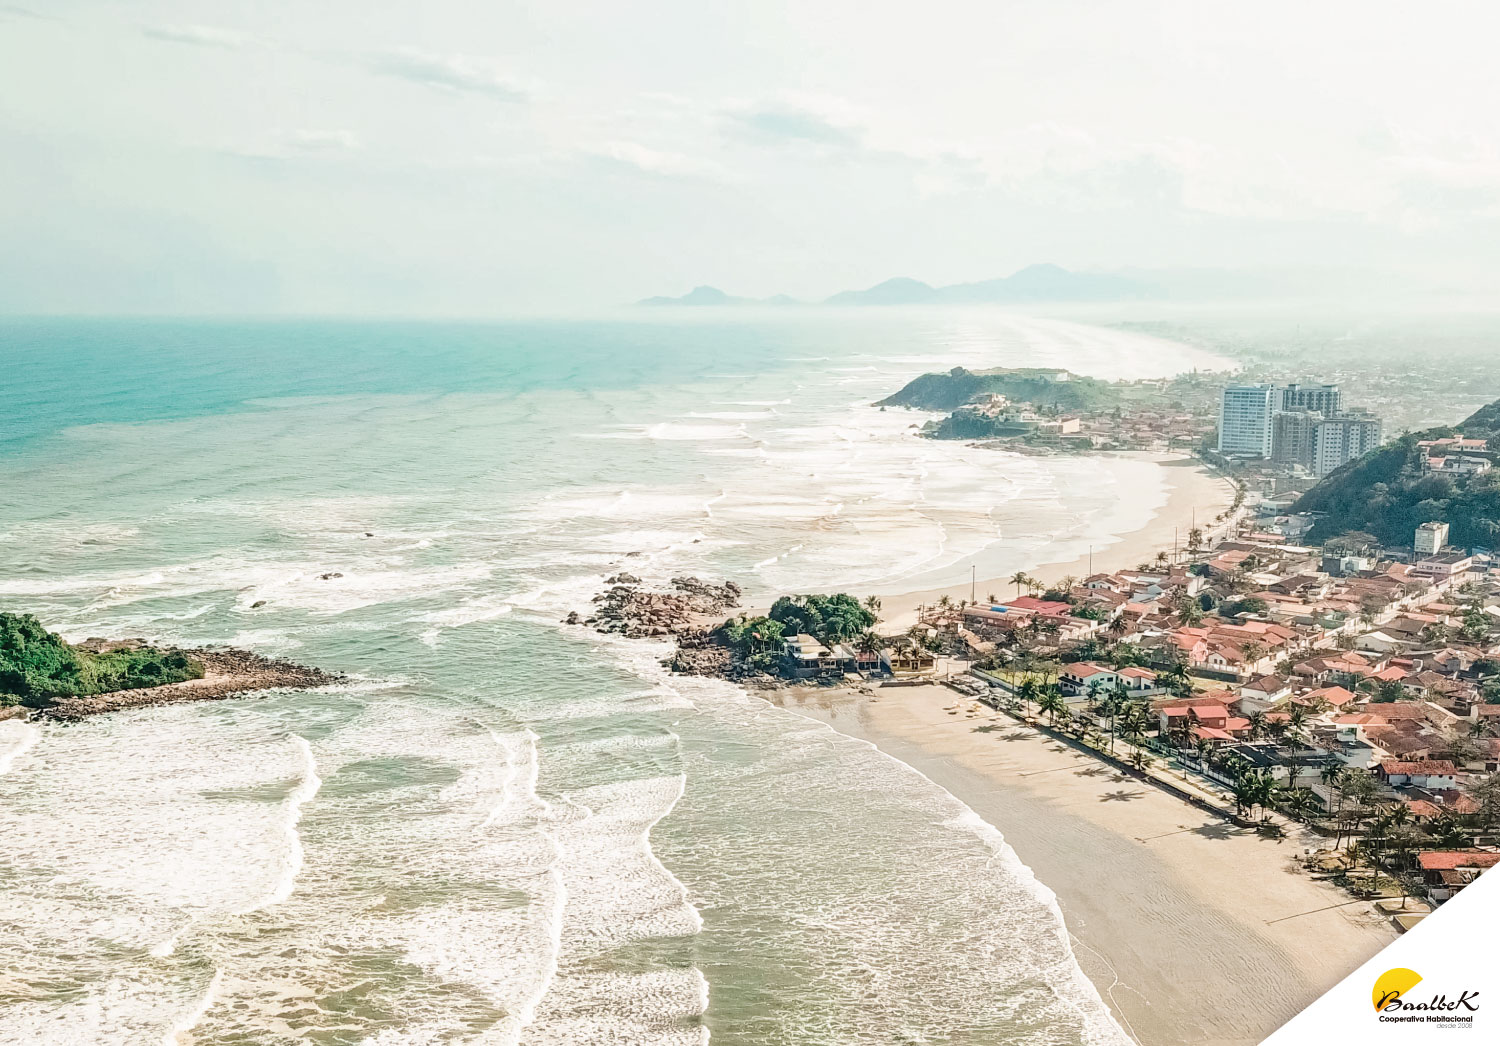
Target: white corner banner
x,y
1437,983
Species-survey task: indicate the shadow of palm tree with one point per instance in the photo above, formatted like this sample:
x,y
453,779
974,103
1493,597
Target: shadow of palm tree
x,y
1217,831
984,728
1121,796
1092,771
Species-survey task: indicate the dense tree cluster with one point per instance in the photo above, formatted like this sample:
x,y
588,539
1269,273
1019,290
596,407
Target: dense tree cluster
x,y
37,667
1387,494
831,619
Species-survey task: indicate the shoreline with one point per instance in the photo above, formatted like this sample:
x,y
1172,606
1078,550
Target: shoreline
x,y
226,673
1199,933
1195,494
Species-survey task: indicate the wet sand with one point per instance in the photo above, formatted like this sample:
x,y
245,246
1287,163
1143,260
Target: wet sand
x,y
1195,495
1194,931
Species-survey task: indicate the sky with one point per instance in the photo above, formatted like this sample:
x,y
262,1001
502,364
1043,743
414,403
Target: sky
x,y
467,158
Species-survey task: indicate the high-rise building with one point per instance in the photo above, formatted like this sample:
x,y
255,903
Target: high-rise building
x,y
1341,438
1246,415
1430,538
1322,398
1292,436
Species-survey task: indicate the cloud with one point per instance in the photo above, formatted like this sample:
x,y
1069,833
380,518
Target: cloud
x,y
448,72
299,144
654,161
790,123
200,36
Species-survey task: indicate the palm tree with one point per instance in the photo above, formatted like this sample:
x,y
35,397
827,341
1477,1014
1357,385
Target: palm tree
x,y
1299,801
1018,579
872,604
1027,692
1140,760
1052,703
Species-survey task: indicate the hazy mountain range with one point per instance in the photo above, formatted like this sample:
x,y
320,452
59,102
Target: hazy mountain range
x,y
1035,283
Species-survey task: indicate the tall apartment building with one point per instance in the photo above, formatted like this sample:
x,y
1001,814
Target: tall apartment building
x,y
1341,438
1246,420
1325,399
1292,433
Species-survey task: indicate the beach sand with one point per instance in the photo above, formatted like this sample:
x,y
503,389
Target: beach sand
x,y
1194,931
1194,495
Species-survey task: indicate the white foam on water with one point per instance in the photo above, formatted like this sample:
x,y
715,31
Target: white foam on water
x,y
16,738
188,1021
306,788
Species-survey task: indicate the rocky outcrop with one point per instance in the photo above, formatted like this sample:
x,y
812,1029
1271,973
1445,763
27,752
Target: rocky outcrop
x,y
629,608
226,673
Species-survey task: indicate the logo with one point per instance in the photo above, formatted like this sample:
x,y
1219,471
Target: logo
x,y
1395,1003
1392,984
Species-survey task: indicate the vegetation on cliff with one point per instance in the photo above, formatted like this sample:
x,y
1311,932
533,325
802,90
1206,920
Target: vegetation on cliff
x,y
1044,387
1387,494
38,668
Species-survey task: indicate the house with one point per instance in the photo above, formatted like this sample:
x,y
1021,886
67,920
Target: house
x,y
1204,718
1425,773
1261,693
1447,871
1333,696
1081,676
906,660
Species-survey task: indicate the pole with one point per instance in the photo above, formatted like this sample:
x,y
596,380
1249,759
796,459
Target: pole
x,y
973,583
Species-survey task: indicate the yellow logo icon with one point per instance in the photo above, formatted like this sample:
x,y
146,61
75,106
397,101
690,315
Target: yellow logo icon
x,y
1392,984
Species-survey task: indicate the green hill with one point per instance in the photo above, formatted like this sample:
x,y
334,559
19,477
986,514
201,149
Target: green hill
x,y
1043,387
37,667
1387,494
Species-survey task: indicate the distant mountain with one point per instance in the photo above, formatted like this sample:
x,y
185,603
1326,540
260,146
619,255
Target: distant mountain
x,y
1035,283
899,291
713,296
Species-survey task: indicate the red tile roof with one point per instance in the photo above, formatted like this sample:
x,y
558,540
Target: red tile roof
x,y
1441,860
1419,767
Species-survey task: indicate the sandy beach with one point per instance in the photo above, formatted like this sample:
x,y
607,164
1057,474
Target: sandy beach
x,y
1195,495
1194,931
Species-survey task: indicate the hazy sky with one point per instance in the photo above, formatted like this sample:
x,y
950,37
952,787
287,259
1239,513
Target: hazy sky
x,y
443,156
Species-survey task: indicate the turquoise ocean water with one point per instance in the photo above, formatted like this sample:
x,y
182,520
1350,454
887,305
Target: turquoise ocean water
x,y
505,829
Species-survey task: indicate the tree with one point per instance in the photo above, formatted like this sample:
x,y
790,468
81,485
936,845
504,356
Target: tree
x,y
1195,539
1028,692
37,667
1051,702
1020,578
830,619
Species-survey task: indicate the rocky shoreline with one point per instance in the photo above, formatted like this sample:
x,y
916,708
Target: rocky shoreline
x,y
226,673
689,612
630,609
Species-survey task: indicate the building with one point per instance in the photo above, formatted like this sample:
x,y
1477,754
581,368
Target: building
x,y
1448,871
1430,538
1325,399
1442,566
1246,420
1341,438
1292,437
1457,464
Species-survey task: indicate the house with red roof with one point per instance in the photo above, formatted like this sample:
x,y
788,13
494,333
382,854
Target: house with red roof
x,y
1448,871
1424,773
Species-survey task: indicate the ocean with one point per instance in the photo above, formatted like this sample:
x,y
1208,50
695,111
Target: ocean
x,y
506,829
